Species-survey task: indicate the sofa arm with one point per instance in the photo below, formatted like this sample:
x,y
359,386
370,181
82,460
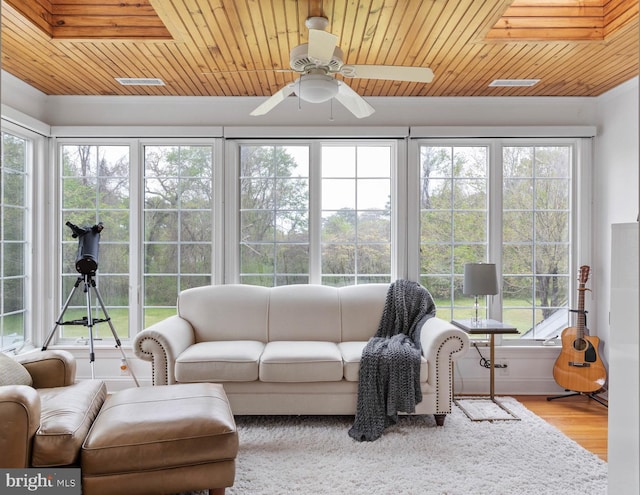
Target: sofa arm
x,y
51,368
161,344
19,421
442,343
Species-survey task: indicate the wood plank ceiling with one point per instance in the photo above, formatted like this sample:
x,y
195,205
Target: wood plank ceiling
x,y
231,47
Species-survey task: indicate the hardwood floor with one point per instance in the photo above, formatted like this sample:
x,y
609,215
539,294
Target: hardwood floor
x,y
580,418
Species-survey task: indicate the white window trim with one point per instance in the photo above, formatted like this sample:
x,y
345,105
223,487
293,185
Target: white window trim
x,y
136,318
45,230
581,198
502,132
35,203
54,305
51,307
232,203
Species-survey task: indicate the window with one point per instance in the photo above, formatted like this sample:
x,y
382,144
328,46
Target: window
x,y
530,208
331,212
536,238
327,220
453,221
356,214
95,188
15,165
157,213
274,215
178,227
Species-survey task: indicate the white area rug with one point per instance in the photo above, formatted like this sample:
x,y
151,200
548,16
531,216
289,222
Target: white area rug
x,y
484,409
315,455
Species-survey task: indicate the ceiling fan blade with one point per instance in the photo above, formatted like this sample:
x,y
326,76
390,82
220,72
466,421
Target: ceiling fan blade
x,y
272,102
353,101
389,72
321,45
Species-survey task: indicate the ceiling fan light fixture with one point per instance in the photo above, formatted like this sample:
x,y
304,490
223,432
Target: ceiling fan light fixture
x,y
317,88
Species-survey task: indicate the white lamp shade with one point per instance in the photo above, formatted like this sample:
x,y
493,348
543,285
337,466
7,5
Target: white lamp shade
x,y
480,279
317,88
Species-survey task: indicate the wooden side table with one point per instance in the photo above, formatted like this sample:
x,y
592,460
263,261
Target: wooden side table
x,y
491,328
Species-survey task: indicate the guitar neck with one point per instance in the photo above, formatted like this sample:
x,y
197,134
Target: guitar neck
x,y
582,317
580,327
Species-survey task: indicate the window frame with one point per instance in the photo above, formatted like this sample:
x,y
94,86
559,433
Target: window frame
x,y
216,201
61,234
34,155
405,215
136,225
232,216
580,208
489,222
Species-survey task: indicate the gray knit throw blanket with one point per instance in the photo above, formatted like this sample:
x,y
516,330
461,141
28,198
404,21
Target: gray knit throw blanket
x,y
389,380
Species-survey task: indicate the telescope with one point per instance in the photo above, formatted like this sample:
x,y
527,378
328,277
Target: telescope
x,y
87,264
88,242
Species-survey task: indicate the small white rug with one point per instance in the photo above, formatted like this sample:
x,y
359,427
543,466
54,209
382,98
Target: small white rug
x,y
315,455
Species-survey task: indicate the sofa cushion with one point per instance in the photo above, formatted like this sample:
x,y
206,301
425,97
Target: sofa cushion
x,y
287,361
66,415
230,360
352,354
304,312
226,312
361,309
12,372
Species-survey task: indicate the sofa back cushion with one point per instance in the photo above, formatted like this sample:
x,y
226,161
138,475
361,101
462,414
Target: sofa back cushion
x,y
361,308
226,312
304,312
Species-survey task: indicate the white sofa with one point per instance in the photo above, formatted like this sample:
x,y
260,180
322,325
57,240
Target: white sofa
x,y
290,349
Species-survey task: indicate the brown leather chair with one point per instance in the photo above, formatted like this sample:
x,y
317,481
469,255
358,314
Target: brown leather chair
x,y
139,441
45,423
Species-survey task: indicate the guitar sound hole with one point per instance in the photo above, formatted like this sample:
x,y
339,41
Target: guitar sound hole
x,y
580,344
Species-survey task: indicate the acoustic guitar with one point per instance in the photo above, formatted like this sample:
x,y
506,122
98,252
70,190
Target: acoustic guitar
x,y
579,367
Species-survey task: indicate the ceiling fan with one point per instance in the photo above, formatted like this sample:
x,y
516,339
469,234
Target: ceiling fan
x,y
320,60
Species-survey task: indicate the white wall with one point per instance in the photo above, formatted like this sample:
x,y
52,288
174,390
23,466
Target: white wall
x,y
21,97
210,111
616,189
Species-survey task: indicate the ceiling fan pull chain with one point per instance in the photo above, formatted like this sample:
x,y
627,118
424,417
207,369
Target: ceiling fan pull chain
x,y
331,107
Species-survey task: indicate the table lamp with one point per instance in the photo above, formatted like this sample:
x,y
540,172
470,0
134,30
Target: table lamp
x,y
480,279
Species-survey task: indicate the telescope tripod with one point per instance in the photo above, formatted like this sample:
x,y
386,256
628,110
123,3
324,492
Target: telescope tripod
x,y
89,321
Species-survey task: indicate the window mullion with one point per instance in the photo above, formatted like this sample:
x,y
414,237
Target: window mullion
x,y
315,213
494,204
136,238
232,213
218,218
412,178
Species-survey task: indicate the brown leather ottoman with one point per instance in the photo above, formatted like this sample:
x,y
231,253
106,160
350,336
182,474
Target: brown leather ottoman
x,y
164,439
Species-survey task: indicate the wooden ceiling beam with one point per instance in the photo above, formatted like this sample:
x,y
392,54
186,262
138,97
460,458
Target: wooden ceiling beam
x,y
91,19
39,12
